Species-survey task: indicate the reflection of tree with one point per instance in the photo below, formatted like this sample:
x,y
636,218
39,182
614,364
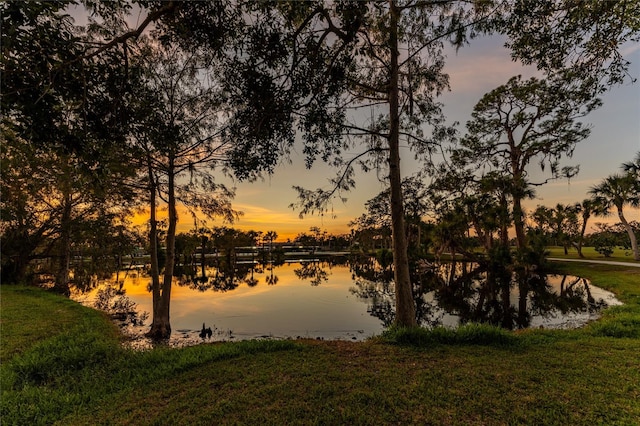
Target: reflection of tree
x,y
270,260
198,283
474,293
251,281
373,284
228,277
226,272
379,297
368,268
119,306
574,297
458,292
313,271
225,277
271,278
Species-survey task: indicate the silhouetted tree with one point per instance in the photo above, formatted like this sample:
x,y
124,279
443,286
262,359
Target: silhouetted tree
x,y
180,139
522,122
617,191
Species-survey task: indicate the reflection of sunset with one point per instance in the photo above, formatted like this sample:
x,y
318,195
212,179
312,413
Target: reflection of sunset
x,y
137,286
291,307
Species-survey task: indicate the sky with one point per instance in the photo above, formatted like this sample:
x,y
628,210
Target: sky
x,y
473,70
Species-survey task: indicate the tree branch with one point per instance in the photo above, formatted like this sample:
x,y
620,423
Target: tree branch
x,y
166,9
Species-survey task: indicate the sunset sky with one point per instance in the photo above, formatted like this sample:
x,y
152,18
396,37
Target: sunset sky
x,y
474,70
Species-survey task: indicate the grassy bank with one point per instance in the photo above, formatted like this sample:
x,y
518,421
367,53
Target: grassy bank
x,y
590,253
62,363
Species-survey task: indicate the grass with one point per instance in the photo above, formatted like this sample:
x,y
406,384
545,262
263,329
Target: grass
x,y
73,371
30,315
619,255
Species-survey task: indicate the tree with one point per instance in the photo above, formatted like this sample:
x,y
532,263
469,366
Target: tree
x,y
179,137
52,206
487,213
520,122
394,73
66,110
564,225
270,237
586,209
376,221
542,217
186,245
619,191
56,95
37,91
579,39
607,238
27,225
450,232
481,200
378,214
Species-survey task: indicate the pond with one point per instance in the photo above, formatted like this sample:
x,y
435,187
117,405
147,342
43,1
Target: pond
x,y
340,299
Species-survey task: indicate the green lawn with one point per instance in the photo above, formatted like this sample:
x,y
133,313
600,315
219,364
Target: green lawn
x,y
619,255
62,363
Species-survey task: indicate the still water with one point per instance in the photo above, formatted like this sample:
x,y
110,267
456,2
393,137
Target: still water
x,y
348,301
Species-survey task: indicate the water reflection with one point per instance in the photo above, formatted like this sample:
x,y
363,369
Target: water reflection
x,y
457,293
113,300
341,298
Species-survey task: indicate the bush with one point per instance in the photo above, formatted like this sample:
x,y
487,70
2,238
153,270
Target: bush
x,y
604,243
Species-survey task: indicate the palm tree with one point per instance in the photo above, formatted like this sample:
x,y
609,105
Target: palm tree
x,y
588,207
618,191
563,221
270,237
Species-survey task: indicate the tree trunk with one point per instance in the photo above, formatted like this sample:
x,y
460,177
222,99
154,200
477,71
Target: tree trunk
x,y
518,222
171,251
585,219
632,235
523,315
405,306
157,324
61,284
504,221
